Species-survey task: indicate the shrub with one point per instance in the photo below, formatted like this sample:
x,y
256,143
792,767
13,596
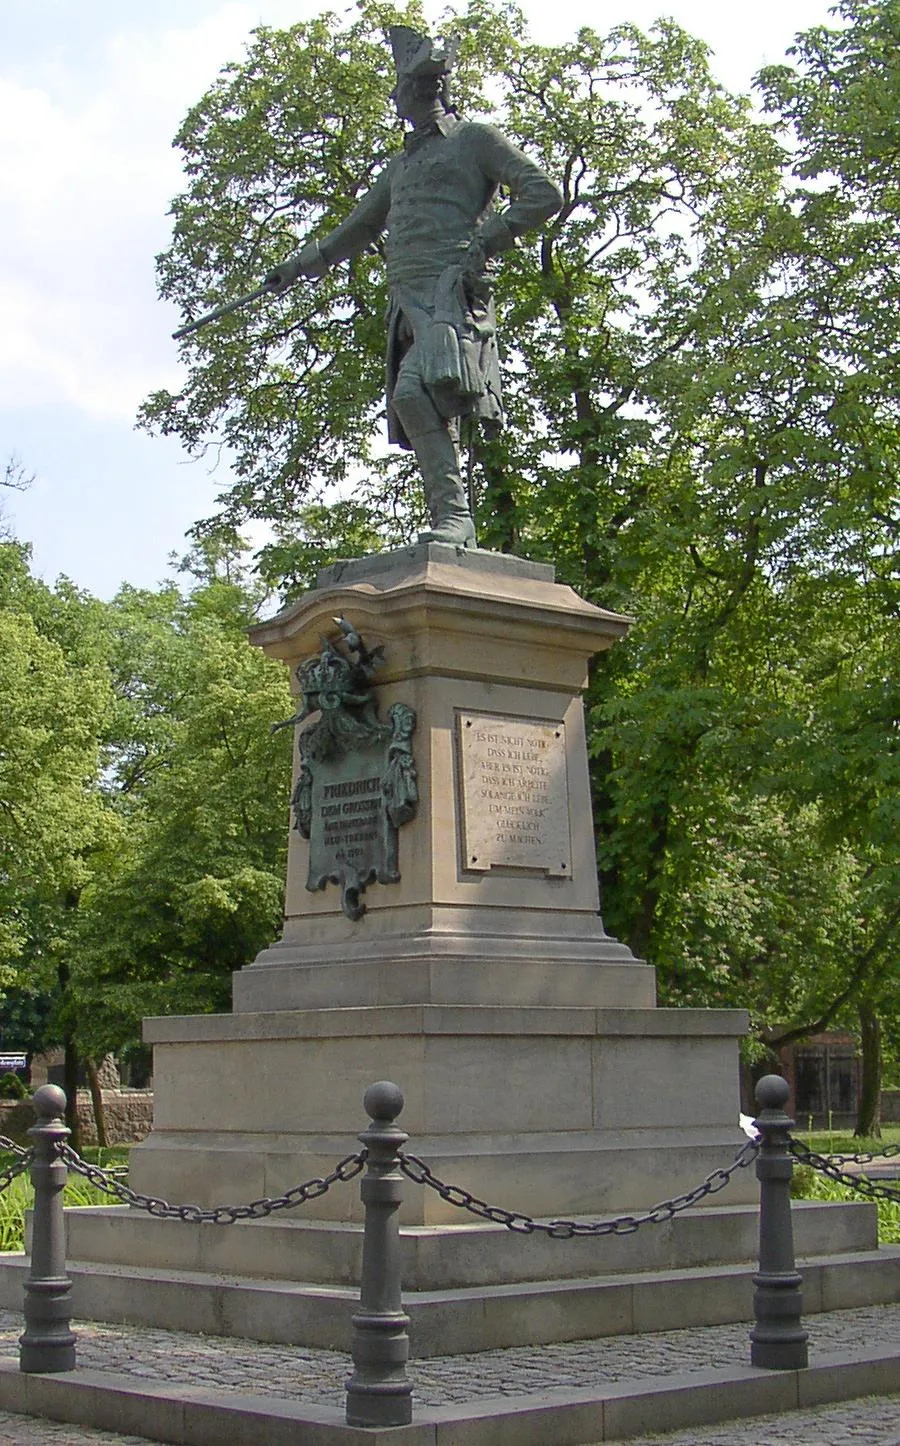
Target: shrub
x,y
13,1087
809,1184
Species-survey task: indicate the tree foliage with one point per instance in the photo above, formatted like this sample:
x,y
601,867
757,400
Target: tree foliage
x,y
56,705
144,802
196,889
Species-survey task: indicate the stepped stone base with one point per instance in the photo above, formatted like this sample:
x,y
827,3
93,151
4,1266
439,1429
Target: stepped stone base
x,y
447,955
469,1254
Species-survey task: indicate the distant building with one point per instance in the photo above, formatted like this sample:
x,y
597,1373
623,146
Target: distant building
x,y
824,1074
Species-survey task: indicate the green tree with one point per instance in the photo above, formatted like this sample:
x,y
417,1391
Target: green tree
x,y
194,887
57,704
143,802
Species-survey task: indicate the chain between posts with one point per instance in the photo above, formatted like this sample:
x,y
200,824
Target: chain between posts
x,y
420,1173
831,1166
865,1157
12,1148
416,1170
18,1167
346,1169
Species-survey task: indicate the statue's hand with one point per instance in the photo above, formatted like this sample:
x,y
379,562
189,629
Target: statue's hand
x,y
474,263
306,262
283,275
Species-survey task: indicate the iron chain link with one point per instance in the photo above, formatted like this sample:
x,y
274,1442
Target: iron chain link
x,y
18,1167
346,1169
865,1157
417,1171
11,1148
830,1165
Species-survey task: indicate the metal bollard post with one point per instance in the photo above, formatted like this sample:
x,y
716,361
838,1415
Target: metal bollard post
x,y
778,1340
378,1392
47,1344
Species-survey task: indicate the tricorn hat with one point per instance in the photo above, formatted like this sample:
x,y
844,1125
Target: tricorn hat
x,y
416,54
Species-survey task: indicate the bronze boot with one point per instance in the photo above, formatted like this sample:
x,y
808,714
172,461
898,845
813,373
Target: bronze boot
x,y
445,495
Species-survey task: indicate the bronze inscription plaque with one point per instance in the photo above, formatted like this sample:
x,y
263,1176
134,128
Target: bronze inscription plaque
x,y
515,797
357,783
348,817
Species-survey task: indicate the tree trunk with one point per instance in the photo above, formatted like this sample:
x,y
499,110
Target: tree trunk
x,y
70,1085
97,1102
868,1118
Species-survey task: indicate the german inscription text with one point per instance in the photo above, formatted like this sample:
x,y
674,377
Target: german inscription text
x,y
514,794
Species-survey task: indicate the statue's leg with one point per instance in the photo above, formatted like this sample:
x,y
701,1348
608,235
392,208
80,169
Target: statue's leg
x,y
445,495
433,440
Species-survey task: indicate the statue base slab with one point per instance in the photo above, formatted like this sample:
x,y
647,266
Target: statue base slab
x,y
551,1111
466,1287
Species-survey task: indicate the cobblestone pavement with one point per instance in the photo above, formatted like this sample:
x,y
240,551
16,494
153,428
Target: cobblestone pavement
x,y
318,1376
27,1431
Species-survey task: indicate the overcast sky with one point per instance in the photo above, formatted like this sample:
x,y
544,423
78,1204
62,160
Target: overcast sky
x,y
91,93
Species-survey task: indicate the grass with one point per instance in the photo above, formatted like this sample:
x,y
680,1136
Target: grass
x,y
19,1197
837,1142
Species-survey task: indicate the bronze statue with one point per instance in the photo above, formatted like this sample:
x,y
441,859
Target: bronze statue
x,y
435,204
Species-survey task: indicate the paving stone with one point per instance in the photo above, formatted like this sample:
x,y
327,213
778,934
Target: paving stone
x,y
28,1431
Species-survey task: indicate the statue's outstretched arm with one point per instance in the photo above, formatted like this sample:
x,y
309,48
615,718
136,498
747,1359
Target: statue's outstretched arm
x,y
361,228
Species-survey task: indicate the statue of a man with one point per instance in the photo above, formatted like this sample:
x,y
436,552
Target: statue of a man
x,y
435,203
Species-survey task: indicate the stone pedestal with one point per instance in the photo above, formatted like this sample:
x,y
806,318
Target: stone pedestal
x,y
483,647
536,1069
